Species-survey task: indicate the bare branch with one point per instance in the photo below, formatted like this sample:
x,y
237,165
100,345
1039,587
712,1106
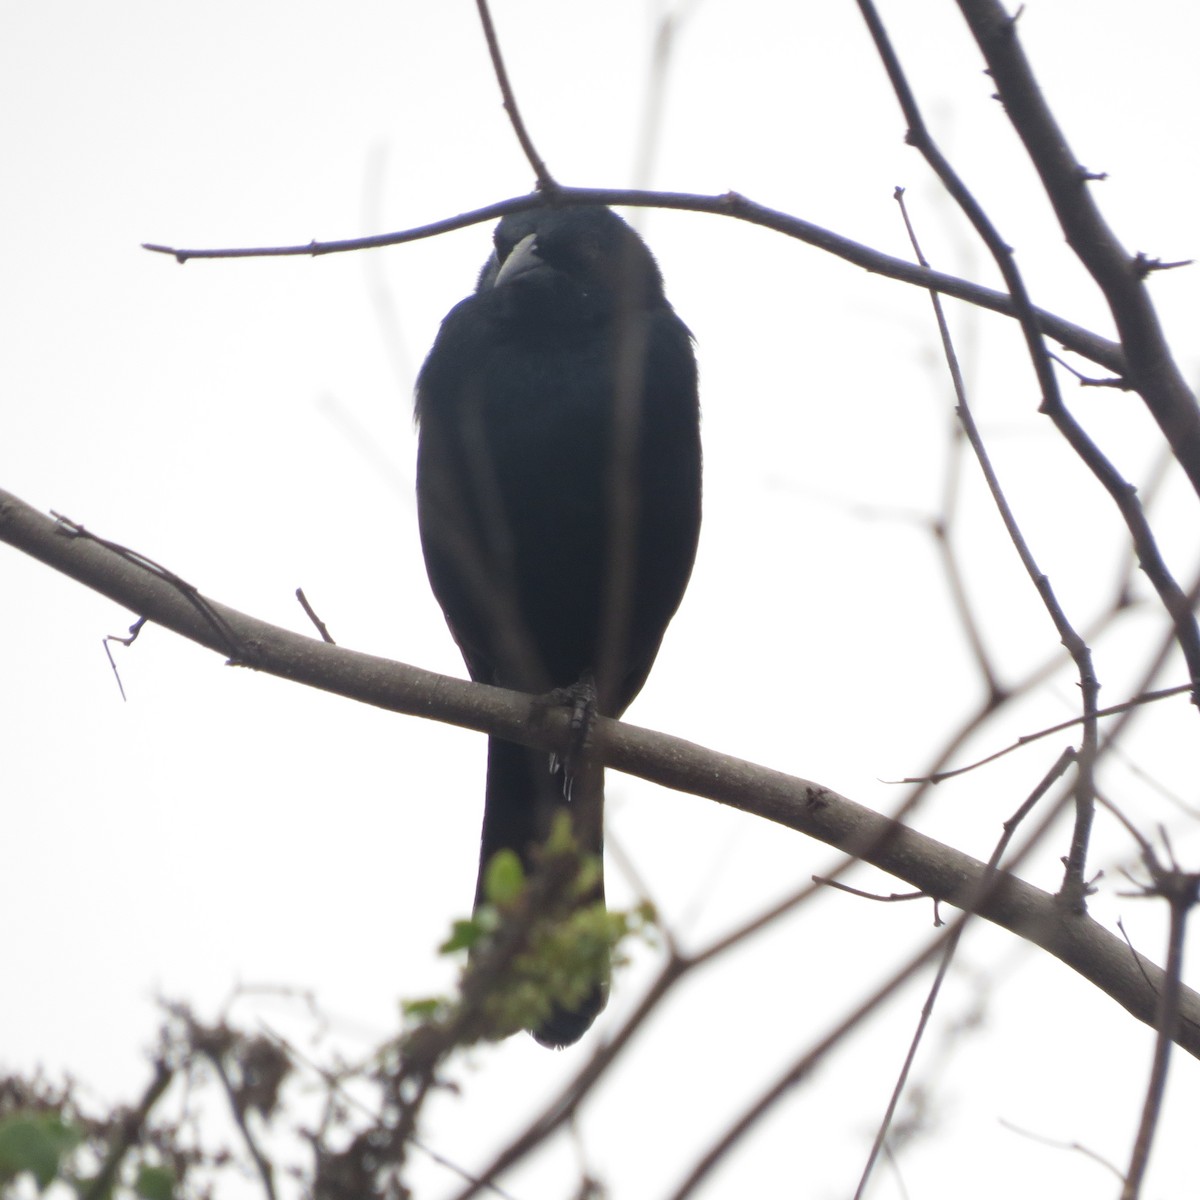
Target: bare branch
x,y
1181,889
545,181
1010,828
1027,739
803,1066
1120,276
310,612
799,804
1077,1146
1082,341
129,1133
262,1164
1088,381
1074,888
563,1107
891,898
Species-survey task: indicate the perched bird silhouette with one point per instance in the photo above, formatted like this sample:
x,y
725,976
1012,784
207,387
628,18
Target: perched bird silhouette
x,y
558,492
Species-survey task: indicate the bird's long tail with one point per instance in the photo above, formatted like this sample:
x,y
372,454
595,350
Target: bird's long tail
x,y
523,797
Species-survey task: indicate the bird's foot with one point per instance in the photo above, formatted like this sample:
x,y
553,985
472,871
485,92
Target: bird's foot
x,y
581,699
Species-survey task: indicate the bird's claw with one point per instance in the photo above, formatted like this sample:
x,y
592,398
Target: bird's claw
x,y
581,699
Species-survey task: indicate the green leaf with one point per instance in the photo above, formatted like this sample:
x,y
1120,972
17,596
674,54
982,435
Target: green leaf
x,y
155,1183
562,836
504,879
86,1185
35,1142
463,935
422,1010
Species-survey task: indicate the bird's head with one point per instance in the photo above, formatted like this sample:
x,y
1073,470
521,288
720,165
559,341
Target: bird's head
x,y
572,263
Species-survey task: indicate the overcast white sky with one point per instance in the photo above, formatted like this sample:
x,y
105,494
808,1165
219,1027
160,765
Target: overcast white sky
x,y
249,425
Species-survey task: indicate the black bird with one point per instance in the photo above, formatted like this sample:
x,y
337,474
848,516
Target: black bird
x,y
558,491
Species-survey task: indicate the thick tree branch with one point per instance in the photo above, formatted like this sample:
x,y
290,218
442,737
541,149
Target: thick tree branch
x,y
1119,275
1112,282
799,804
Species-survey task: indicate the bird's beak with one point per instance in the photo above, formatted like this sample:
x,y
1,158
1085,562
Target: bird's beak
x,y
522,258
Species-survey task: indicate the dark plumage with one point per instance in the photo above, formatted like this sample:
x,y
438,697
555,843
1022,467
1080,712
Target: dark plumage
x,y
558,490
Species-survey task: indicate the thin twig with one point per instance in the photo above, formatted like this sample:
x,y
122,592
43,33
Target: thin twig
x,y
545,180
1181,889
1074,888
312,616
332,1082
134,630
1153,372
1010,828
1149,557
1076,1146
1151,369
678,966
799,1069
943,529
1132,950
190,592
1088,381
262,1164
1081,341
562,1108
615,848
129,1134
962,606
1027,739
991,705
891,898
